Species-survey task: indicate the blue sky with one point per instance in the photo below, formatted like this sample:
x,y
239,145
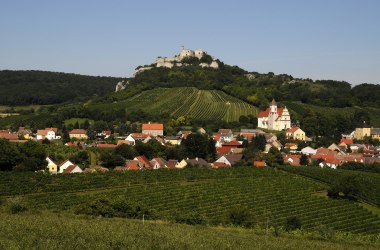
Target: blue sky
x,y
320,39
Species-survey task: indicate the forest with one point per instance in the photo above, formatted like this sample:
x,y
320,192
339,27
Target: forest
x,y
42,87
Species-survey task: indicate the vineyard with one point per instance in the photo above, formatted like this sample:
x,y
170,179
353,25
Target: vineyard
x,y
199,104
272,196
370,189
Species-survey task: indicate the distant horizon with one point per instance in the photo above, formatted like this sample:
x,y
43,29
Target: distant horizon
x,y
323,40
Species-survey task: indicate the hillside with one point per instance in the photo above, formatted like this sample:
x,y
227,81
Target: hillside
x,y
181,101
72,232
42,87
193,196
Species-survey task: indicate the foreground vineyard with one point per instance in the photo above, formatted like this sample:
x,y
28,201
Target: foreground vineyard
x,y
209,195
49,231
200,104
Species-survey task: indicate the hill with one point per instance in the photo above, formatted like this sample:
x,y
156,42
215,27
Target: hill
x,y
183,101
42,87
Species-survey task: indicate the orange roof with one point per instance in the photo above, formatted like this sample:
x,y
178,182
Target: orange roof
x,y
265,113
139,136
171,163
103,145
132,165
120,169
259,164
231,143
347,141
41,132
153,126
69,169
219,165
78,131
142,159
52,129
292,130
223,150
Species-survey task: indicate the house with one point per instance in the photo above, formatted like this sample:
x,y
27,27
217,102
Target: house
x,y
183,134
173,140
292,146
158,163
202,131
293,160
153,129
364,131
275,144
144,162
226,135
181,164
172,164
269,137
375,133
348,135
274,118
134,137
8,135
295,133
232,144
229,159
47,133
104,145
259,164
249,134
308,151
223,150
22,132
51,166
336,148
197,162
80,134
64,165
346,141
133,165
75,144
105,134
72,169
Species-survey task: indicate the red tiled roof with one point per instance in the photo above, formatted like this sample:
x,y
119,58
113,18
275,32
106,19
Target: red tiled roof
x,y
132,165
63,162
103,145
9,136
153,126
42,132
142,159
347,141
265,113
139,136
224,131
295,158
223,150
217,137
52,129
292,130
171,163
231,143
219,165
77,131
107,132
259,164
69,169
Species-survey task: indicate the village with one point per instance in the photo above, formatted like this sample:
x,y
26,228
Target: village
x,y
230,145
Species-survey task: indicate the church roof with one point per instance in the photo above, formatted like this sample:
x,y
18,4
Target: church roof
x,y
266,112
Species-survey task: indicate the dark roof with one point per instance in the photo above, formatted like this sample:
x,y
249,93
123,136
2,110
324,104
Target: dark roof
x,y
197,161
233,158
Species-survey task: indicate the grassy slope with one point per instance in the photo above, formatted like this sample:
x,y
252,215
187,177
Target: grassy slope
x,y
64,231
200,104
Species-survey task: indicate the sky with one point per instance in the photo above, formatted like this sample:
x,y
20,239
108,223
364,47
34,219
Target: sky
x,y
317,39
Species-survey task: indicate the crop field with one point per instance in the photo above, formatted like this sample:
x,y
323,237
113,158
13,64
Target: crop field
x,y
199,104
271,196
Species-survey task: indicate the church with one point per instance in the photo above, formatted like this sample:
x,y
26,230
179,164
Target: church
x,y
274,118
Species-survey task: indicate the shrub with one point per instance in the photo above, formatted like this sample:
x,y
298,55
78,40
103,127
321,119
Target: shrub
x,y
17,207
191,218
293,223
240,216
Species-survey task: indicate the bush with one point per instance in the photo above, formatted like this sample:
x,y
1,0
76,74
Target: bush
x,y
191,218
292,223
349,185
17,207
240,216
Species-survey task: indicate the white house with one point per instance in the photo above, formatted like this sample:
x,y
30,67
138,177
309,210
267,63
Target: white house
x,y
308,151
47,133
65,165
73,169
134,137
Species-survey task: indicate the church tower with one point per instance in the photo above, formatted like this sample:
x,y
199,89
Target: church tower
x,y
273,115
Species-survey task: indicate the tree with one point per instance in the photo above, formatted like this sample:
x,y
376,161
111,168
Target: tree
x,y
34,156
349,185
126,151
196,145
9,155
240,216
293,223
304,160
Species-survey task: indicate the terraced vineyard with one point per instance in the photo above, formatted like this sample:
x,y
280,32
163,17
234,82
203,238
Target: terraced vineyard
x,y
272,196
200,104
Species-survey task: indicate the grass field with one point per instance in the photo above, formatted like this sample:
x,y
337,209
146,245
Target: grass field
x,y
200,104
